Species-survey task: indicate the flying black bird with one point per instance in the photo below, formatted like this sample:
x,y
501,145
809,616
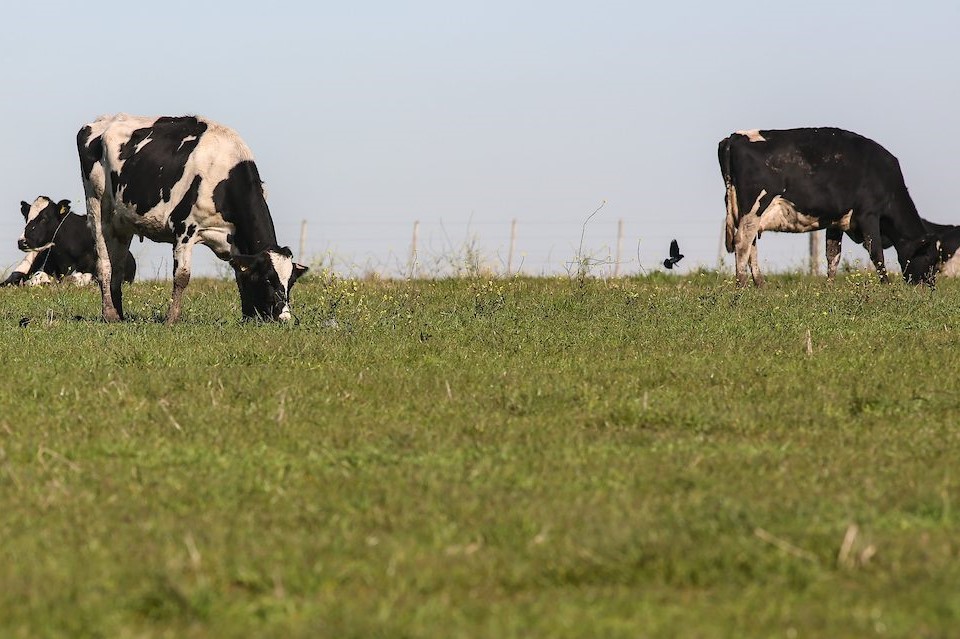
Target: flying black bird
x,y
674,255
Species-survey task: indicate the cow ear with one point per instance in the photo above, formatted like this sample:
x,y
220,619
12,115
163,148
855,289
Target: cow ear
x,y
298,270
244,263
24,208
63,207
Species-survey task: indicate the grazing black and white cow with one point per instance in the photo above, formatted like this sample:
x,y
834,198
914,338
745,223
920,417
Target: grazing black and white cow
x,y
58,244
184,181
801,180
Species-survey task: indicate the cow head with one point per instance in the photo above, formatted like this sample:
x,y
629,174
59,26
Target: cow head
x,y
42,218
920,260
265,280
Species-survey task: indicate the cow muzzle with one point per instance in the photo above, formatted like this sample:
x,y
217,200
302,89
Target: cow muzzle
x,y
24,246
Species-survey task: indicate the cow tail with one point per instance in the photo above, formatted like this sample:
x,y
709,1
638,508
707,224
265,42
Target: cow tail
x,y
733,212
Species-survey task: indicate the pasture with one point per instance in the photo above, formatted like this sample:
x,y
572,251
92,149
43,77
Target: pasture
x,y
553,457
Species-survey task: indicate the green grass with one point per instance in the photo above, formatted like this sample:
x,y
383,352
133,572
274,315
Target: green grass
x,y
655,457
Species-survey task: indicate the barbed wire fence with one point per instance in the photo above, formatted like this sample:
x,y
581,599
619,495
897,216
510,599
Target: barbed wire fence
x,y
511,247
596,246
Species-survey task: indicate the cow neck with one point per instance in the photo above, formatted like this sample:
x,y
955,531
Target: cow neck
x,y
53,238
906,222
241,200
256,233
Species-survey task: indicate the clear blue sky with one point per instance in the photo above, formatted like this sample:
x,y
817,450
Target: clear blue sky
x,y
366,116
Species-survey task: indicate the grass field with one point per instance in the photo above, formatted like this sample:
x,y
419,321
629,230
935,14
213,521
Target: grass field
x,y
654,457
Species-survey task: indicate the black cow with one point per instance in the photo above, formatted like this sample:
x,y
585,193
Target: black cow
x,y
801,180
182,180
947,236
58,244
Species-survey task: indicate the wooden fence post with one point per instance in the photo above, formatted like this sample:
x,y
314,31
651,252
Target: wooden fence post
x,y
303,240
722,248
815,253
616,264
413,249
513,245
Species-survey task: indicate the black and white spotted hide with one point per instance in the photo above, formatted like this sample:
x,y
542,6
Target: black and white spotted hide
x,y
184,181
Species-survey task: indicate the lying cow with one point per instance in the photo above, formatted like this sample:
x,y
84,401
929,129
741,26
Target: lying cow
x,y
58,244
801,180
184,181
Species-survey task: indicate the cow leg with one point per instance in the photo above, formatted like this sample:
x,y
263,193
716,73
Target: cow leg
x,y
834,237
22,270
745,248
117,248
182,256
755,265
98,221
873,242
